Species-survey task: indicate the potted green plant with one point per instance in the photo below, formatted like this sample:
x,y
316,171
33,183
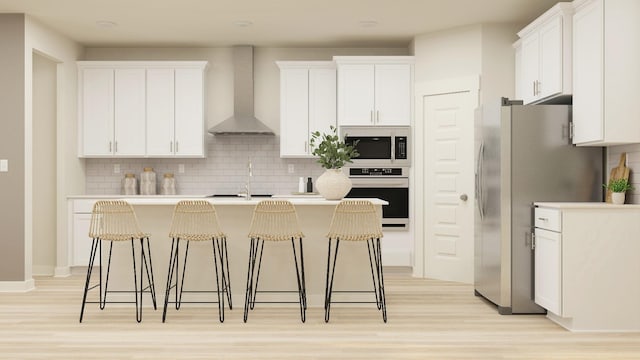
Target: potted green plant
x,y
618,188
333,153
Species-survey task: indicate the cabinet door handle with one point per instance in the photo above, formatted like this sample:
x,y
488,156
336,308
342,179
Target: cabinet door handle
x,y
377,116
170,146
110,148
543,219
305,146
534,88
371,116
116,146
177,144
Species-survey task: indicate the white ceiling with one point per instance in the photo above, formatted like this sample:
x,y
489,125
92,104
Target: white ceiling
x,y
286,23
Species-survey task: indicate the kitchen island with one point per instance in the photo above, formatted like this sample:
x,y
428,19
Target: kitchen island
x,y
154,216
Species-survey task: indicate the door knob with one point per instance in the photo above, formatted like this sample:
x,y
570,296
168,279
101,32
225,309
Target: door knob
x,y
464,197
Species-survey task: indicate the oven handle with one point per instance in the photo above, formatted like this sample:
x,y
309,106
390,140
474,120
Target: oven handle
x,y
380,182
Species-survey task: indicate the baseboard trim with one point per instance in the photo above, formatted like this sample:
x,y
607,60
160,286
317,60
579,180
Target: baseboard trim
x,y
42,270
17,286
396,258
62,271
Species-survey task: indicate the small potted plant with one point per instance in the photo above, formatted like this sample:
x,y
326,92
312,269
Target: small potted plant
x,y
333,154
618,188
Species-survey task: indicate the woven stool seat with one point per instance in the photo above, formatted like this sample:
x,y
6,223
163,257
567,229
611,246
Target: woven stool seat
x,y
197,220
274,221
115,221
356,220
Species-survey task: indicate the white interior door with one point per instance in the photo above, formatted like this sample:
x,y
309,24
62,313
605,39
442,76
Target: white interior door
x,y
449,185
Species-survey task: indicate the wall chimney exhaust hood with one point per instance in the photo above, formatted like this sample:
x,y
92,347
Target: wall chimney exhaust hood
x,y
243,121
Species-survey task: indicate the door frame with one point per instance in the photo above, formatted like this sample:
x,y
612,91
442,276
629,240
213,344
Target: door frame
x,y
469,84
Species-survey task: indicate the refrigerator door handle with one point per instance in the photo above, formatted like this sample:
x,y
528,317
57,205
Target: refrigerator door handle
x,y
479,181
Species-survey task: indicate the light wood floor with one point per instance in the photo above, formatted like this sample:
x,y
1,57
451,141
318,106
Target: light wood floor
x,y
427,320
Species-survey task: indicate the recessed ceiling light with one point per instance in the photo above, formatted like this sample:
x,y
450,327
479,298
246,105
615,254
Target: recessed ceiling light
x,y
368,23
242,23
106,24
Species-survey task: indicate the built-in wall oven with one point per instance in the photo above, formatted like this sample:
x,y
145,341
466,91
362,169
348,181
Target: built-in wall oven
x,y
390,184
379,146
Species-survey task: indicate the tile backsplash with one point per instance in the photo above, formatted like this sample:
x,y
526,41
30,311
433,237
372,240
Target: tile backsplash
x,y
223,171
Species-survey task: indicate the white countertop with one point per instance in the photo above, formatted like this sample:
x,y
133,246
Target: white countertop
x,y
586,205
174,199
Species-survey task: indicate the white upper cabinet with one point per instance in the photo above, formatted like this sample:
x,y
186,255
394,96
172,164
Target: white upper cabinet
x,y
375,91
544,68
606,74
96,111
307,104
129,112
141,109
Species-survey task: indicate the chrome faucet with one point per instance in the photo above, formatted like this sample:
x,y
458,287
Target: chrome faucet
x,y
250,174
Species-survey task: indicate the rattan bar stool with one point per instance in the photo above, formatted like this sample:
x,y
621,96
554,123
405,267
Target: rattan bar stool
x,y
115,221
356,220
197,220
274,221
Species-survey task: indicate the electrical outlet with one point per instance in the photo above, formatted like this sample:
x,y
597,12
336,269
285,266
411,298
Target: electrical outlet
x,y
116,168
291,169
180,168
4,165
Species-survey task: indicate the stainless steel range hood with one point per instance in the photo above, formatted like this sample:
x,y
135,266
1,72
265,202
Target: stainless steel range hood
x,y
243,121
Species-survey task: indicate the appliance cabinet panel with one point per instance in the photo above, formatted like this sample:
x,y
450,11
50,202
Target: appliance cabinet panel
x,y
129,112
393,94
356,94
548,270
160,112
96,114
189,112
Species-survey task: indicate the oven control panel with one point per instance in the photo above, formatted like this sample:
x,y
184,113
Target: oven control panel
x,y
378,172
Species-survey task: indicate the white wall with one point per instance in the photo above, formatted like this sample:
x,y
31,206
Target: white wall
x,y
498,61
44,165
69,169
448,54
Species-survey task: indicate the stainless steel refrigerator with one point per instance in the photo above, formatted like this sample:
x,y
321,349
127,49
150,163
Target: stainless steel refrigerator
x,y
523,155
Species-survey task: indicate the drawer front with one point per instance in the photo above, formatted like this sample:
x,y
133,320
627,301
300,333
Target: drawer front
x,y
549,219
83,206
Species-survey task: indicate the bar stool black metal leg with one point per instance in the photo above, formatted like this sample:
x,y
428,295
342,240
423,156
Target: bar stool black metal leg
x,y
260,244
329,285
172,265
301,290
371,248
304,284
103,296
148,265
184,270
135,284
92,256
381,283
249,287
326,281
228,274
219,279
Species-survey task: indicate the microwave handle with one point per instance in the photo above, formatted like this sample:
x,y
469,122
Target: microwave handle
x,y
393,148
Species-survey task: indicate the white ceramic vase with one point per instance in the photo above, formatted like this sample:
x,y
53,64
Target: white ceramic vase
x,y
333,184
617,198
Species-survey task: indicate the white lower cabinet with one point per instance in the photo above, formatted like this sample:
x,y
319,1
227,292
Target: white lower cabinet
x,y
548,273
587,273
79,240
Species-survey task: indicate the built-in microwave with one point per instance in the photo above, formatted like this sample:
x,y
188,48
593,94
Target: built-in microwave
x,y
379,146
